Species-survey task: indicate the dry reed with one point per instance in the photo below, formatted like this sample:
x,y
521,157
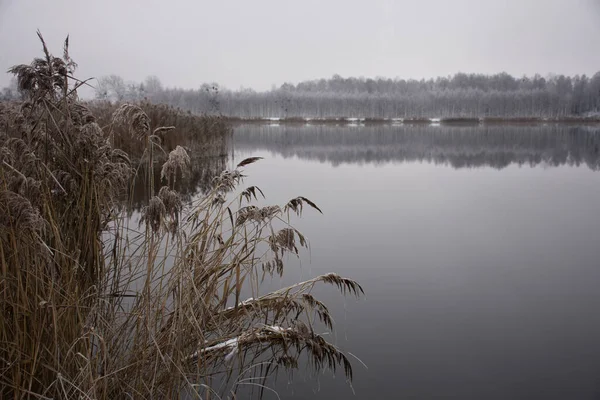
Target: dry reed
x,y
94,308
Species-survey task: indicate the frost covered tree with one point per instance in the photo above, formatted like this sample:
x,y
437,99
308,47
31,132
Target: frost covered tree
x,y
153,86
111,87
10,92
461,95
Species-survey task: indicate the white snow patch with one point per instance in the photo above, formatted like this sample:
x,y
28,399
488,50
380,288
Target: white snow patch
x,y
276,329
355,121
223,345
233,343
231,354
243,303
227,343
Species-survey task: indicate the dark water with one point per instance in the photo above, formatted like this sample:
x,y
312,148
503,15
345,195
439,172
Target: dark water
x,y
479,250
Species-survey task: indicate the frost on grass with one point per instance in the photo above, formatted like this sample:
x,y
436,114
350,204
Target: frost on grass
x,y
178,160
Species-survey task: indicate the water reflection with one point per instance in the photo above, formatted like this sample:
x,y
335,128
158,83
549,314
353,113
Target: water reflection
x,y
482,283
479,284
460,147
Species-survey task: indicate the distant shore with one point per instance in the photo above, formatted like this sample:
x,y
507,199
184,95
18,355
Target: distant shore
x,y
418,121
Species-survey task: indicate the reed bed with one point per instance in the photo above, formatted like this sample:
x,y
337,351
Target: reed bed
x,y
97,307
204,134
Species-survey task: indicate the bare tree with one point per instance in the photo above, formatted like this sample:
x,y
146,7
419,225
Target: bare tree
x,y
111,87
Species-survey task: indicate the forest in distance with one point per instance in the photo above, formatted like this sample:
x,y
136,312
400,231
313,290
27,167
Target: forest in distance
x,y
463,95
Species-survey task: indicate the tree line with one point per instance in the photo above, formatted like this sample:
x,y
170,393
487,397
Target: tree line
x,y
461,95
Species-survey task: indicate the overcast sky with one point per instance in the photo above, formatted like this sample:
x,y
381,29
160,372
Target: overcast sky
x,y
258,43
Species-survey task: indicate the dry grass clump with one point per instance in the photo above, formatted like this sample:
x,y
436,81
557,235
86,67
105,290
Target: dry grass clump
x,y
206,134
460,121
95,308
178,160
59,179
415,121
194,180
512,120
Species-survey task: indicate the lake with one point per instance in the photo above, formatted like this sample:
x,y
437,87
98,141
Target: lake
x,y
478,249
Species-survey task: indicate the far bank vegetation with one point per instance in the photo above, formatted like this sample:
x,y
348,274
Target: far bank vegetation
x,y
498,96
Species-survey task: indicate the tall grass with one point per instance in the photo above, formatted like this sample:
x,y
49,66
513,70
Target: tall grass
x,y
96,307
208,134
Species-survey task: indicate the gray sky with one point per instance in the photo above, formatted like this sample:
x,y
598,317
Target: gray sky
x,y
258,43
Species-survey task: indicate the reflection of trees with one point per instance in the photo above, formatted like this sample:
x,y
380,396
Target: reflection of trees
x,y
199,179
460,147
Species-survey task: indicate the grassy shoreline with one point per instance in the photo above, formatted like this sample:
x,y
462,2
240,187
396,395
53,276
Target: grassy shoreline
x,y
96,306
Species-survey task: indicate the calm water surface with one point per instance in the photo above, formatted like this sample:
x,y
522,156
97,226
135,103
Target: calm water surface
x,y
478,249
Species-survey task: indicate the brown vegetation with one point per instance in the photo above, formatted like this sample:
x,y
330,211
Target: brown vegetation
x,y
460,121
416,121
95,307
294,120
374,121
515,120
207,133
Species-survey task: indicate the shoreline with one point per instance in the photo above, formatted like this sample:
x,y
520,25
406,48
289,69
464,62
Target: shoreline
x,y
416,121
